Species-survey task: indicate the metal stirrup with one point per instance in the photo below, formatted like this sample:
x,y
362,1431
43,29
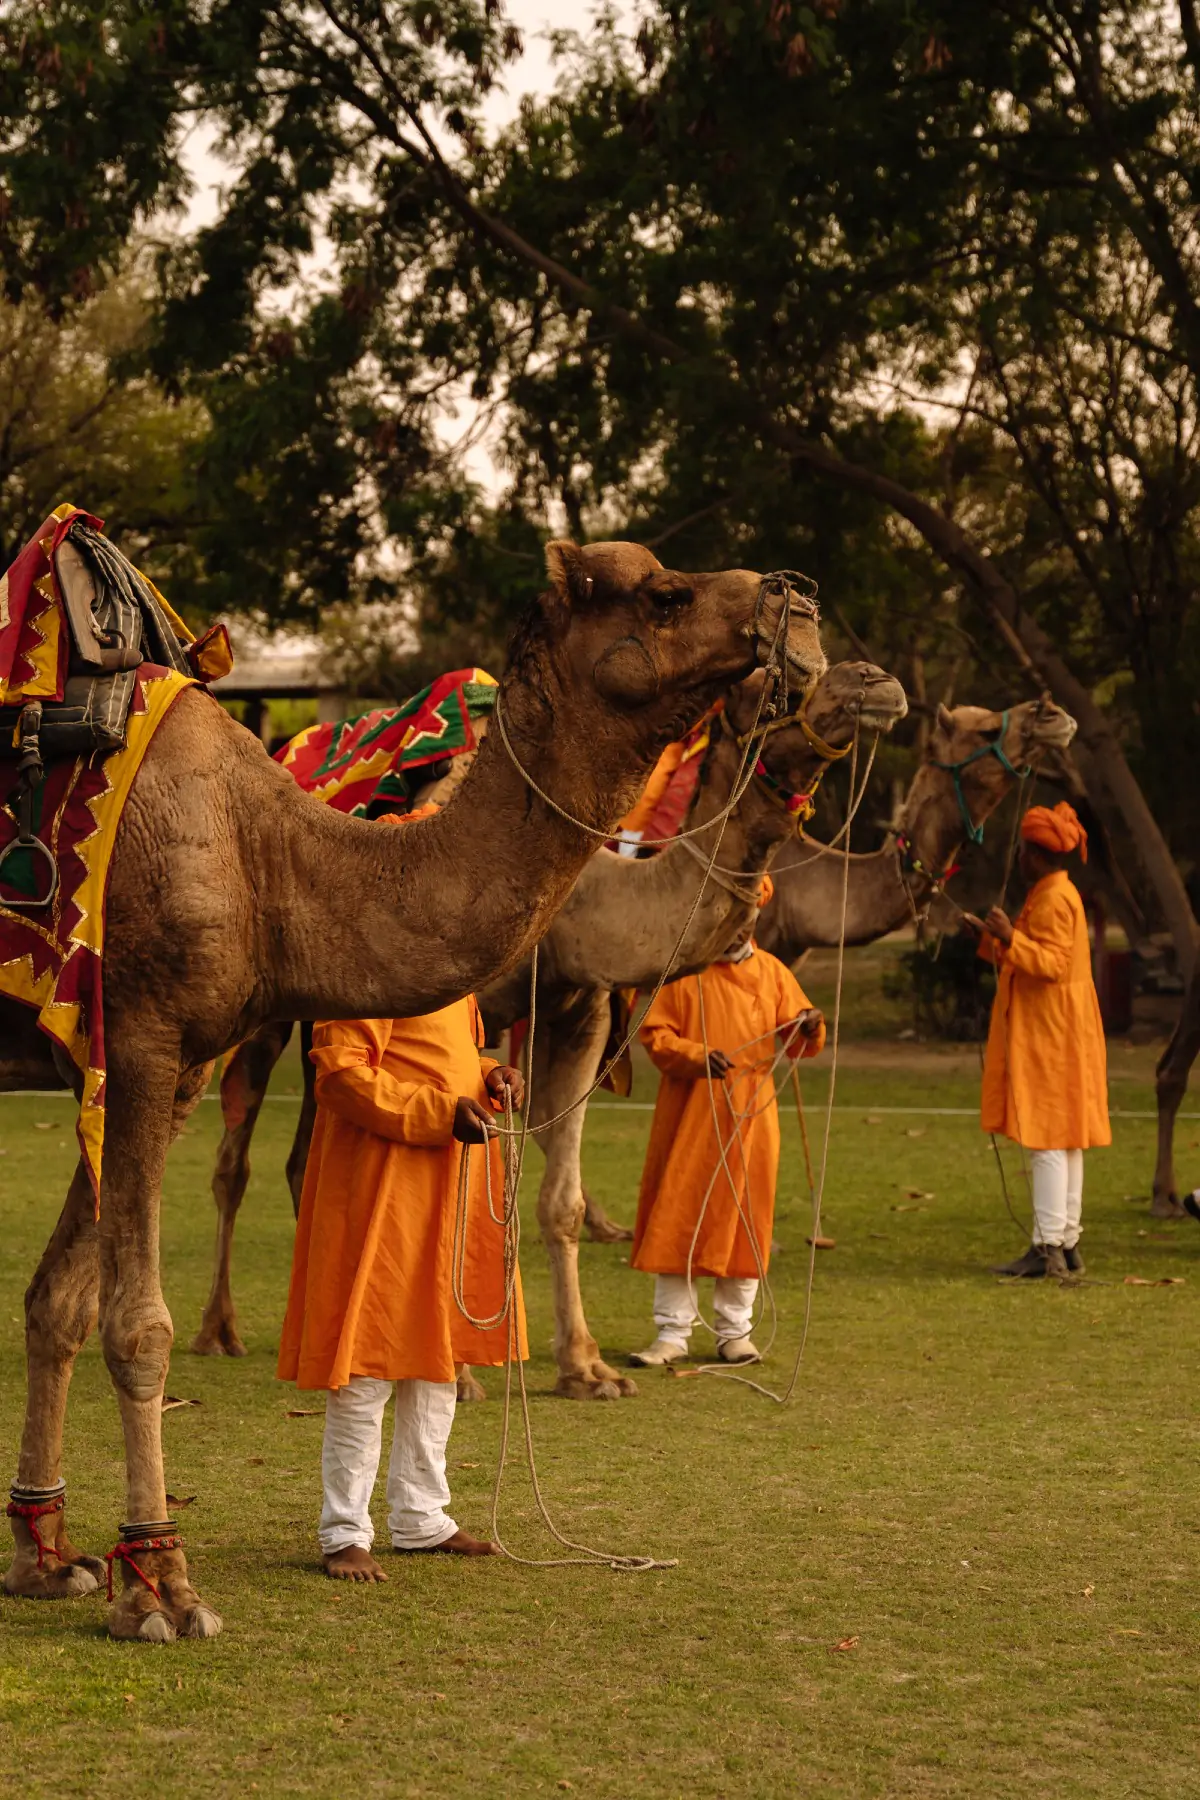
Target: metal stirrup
x,y
30,773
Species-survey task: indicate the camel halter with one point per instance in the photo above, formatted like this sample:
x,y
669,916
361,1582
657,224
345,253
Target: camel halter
x,y
975,832
797,595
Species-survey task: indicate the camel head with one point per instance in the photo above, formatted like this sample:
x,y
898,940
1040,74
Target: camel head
x,y
974,759
848,697
655,643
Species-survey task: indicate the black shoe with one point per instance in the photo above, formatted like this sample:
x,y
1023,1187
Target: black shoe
x,y
1191,1205
1031,1266
1074,1261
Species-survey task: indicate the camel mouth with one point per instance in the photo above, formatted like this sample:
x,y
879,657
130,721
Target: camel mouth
x,y
1053,734
883,706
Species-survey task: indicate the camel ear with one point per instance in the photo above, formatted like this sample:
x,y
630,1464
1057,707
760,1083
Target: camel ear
x,y
564,566
945,718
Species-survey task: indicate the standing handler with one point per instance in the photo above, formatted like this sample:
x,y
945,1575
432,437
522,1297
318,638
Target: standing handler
x,y
371,1305
1045,1072
748,997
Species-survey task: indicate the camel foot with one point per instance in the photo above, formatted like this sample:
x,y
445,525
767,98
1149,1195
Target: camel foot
x,y
1166,1206
218,1338
597,1383
54,1581
469,1388
200,1622
606,1231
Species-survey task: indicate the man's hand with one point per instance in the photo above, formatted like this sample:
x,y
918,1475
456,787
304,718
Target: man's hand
x,y
808,1023
974,923
506,1077
472,1125
1000,925
719,1064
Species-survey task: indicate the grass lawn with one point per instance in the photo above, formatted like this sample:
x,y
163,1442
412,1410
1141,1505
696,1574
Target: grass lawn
x,y
990,1491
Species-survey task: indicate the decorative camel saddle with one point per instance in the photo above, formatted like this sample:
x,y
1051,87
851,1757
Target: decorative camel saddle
x,y
376,762
91,659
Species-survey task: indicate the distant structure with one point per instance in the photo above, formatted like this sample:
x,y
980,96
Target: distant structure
x,y
283,668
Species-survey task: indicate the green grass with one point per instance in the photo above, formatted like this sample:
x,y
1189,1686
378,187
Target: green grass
x,y
992,1489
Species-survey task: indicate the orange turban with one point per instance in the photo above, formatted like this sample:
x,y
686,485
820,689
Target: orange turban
x,y
1055,828
409,818
766,888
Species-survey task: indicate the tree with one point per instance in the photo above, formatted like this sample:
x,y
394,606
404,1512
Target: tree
x,y
695,278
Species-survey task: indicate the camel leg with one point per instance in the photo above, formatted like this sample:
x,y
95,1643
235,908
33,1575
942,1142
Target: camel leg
x,y
243,1088
156,1601
297,1160
567,1055
468,1387
60,1313
1171,1080
600,1228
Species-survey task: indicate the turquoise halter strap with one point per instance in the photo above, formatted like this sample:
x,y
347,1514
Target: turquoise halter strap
x,y
975,832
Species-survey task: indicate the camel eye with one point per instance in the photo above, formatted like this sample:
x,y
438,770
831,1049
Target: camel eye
x,y
667,599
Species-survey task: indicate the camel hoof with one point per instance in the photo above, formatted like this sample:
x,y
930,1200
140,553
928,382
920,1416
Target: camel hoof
x,y
470,1389
610,1386
605,1232
1166,1206
223,1341
156,1628
200,1622
69,1581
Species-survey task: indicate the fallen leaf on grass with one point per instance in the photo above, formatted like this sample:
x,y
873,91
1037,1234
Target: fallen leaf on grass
x,y
850,1643
257,1462
129,1699
45,1125
304,1412
918,1194
902,1206
1162,1281
822,1243
566,1784
1088,1591
915,1131
181,1499
681,1374
1125,1631
873,1119
171,1401
465,1465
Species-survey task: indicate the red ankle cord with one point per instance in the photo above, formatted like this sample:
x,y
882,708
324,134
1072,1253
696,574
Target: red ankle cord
x,y
33,1510
123,1553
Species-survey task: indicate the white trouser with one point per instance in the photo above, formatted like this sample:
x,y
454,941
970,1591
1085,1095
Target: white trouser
x,y
416,1483
1057,1196
675,1313
627,842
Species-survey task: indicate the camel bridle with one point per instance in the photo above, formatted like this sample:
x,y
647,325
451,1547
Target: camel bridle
x,y
996,748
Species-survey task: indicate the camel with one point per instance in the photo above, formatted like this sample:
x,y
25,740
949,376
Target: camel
x,y
618,928
973,759
1171,1084
235,898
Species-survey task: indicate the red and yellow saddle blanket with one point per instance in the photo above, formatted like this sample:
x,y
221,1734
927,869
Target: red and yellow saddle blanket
x,y
51,957
383,757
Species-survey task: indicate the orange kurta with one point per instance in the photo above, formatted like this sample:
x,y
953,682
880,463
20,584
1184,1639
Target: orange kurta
x,y
371,1290
1045,1073
743,1002
639,814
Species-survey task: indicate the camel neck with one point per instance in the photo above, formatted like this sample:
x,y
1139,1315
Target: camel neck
x,y
362,915
624,918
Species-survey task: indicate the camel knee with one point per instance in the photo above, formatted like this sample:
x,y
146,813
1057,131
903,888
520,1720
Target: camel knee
x,y
561,1214
137,1342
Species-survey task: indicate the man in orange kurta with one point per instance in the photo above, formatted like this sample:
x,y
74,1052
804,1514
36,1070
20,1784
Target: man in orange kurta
x,y
707,1203
1045,1076
372,1301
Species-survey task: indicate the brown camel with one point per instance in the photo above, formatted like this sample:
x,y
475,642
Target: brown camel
x,y
621,923
235,898
891,886
1171,1082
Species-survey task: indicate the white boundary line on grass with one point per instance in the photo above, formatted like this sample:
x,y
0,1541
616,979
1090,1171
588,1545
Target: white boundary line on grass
x,y
920,1112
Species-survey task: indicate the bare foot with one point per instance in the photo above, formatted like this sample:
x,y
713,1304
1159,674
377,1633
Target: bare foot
x,y
461,1544
353,1564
